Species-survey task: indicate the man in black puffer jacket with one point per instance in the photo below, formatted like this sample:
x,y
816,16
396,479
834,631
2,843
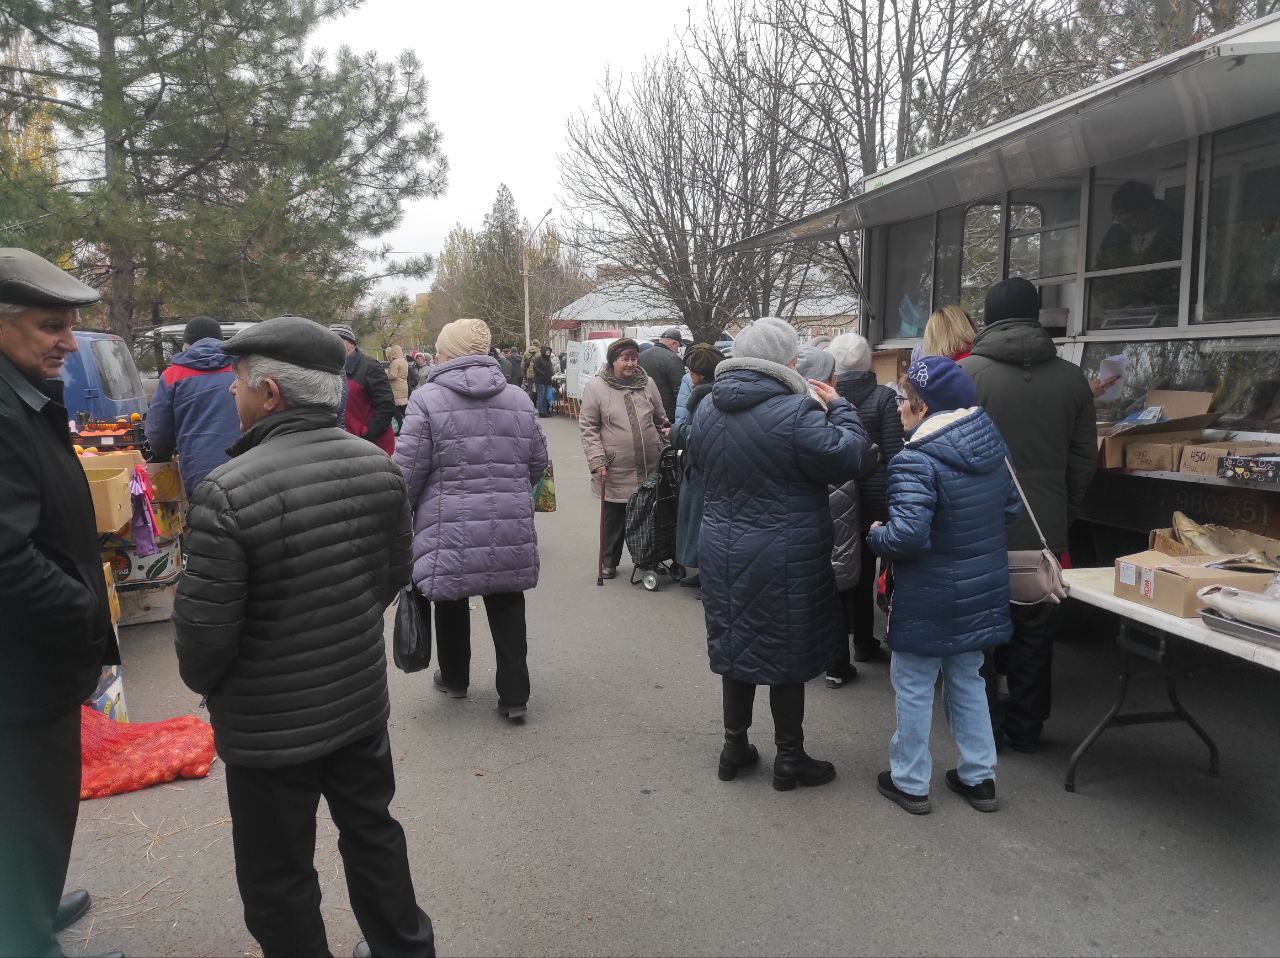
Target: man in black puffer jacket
x,y
296,547
1044,409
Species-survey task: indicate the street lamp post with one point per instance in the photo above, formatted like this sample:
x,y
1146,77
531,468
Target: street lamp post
x,y
524,261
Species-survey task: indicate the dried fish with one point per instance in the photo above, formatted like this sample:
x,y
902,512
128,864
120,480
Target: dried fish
x,y
1252,607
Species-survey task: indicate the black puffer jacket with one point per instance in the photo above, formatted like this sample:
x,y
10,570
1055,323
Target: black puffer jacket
x,y
55,630
296,547
1044,409
878,410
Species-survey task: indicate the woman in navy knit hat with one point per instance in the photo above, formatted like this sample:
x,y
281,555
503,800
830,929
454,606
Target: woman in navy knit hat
x,y
951,580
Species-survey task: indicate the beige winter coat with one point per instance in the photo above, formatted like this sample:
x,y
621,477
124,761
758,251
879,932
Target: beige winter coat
x,y
621,429
398,373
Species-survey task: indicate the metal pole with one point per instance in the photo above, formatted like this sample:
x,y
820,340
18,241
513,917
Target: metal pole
x,y
524,261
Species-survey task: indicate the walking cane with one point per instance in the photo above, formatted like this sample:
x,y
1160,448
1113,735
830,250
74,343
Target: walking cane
x,y
600,552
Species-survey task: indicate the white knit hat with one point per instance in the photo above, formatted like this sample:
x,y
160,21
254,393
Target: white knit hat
x,y
851,352
767,338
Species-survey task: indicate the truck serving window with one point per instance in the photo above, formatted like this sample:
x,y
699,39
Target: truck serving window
x,y
1242,240
908,278
115,366
1135,242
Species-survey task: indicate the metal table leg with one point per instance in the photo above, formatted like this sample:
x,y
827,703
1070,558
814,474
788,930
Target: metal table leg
x,y
1162,653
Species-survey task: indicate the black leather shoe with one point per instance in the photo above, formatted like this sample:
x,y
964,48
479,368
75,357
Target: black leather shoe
x,y
915,804
797,768
981,796
515,713
610,572
869,653
438,681
74,906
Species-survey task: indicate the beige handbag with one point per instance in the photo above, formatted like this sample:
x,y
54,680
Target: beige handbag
x,y
1035,576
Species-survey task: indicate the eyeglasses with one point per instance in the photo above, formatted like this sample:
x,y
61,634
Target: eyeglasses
x,y
900,399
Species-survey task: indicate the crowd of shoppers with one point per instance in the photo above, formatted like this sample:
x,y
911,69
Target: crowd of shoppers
x,y
803,479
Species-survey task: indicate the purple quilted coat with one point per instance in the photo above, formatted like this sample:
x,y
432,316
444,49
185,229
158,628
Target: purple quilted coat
x,y
471,452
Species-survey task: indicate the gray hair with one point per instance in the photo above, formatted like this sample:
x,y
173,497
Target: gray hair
x,y
299,386
12,309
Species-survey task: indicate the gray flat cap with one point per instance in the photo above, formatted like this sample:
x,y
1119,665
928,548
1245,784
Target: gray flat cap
x,y
30,280
290,339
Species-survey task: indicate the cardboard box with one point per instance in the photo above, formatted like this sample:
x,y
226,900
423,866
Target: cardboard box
x,y
113,460
1262,468
1166,542
166,481
1169,583
890,365
1154,456
113,597
129,568
1205,459
140,604
171,522
112,507
108,697
1187,414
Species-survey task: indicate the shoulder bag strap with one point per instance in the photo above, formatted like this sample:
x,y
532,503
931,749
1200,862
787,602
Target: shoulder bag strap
x,y
1026,503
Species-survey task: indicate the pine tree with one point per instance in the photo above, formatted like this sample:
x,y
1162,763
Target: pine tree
x,y
211,163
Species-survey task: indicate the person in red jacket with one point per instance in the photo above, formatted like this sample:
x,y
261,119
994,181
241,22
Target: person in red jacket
x,y
369,404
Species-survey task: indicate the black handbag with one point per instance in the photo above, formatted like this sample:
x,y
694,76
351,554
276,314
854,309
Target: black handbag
x,y
411,640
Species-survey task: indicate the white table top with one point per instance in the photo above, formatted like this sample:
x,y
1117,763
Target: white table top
x,y
1094,586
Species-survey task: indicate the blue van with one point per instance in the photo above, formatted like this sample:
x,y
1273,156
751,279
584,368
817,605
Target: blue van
x,y
102,379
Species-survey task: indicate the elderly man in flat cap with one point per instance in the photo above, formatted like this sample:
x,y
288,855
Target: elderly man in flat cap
x,y
56,632
296,548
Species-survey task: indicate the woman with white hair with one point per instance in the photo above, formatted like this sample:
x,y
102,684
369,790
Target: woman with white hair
x,y
878,409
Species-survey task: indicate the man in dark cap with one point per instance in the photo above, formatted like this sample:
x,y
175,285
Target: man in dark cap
x,y
296,548
1043,407
665,368
57,631
192,411
370,405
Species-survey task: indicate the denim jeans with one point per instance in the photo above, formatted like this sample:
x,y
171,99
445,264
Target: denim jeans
x,y
964,701
546,398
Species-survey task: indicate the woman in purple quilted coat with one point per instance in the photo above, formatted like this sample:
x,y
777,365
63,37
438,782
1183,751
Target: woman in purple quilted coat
x,y
471,452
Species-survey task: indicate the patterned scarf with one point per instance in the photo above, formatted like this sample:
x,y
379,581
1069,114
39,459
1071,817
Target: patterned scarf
x,y
638,381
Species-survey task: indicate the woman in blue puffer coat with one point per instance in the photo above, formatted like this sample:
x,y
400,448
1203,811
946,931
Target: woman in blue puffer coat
x,y
951,580
767,450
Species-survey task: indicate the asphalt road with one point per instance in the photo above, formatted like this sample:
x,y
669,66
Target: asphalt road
x,y
599,827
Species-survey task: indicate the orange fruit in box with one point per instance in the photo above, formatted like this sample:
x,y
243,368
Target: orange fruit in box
x,y
134,417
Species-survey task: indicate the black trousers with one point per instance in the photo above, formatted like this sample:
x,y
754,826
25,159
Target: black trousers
x,y
273,829
510,644
1027,662
39,801
397,417
615,532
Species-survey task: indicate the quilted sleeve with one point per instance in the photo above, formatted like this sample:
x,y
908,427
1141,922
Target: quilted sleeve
x,y
209,610
913,497
832,447
414,448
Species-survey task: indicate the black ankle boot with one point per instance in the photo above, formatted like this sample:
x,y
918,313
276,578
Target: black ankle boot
x,y
737,753
793,767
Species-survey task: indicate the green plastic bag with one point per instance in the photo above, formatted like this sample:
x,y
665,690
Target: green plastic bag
x,y
544,493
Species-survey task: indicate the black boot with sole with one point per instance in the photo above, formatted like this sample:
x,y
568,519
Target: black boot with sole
x,y
737,753
793,767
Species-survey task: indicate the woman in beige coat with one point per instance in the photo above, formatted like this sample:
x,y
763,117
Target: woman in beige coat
x,y
398,373
624,429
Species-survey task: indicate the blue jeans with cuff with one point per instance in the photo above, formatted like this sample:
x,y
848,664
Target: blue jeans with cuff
x,y
964,701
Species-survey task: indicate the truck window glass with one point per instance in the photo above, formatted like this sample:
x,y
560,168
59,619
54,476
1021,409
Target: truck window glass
x,y
1243,373
1136,236
1242,248
115,366
1044,224
908,278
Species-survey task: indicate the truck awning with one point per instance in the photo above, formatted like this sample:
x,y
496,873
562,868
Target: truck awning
x,y
1228,79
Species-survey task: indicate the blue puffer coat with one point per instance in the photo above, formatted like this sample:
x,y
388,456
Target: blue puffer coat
x,y
193,412
950,561
767,453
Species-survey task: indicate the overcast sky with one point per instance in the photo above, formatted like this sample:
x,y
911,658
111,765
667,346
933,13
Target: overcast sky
x,y
505,77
